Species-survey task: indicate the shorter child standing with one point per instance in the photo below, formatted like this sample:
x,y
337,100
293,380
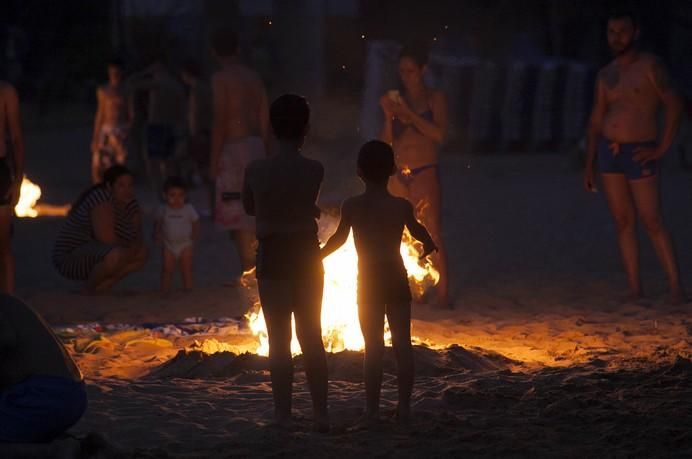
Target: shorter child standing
x,y
378,220
177,227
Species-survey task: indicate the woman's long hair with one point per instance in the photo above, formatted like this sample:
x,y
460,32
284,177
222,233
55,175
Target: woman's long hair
x,y
110,176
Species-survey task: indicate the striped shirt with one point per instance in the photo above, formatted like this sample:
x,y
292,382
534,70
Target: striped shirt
x,y
78,231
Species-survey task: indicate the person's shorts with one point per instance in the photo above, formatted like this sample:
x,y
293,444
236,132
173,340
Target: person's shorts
x,y
289,256
40,408
618,158
160,141
383,283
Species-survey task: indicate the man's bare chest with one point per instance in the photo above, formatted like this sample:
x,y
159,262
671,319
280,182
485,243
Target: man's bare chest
x,y
630,84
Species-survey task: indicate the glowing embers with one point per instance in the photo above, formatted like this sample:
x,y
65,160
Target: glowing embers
x,y
340,327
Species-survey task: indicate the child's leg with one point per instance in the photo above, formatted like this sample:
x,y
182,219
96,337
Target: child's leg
x,y
167,268
276,306
371,318
186,266
399,318
308,313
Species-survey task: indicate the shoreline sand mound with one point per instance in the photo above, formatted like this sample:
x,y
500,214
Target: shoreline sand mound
x,y
343,366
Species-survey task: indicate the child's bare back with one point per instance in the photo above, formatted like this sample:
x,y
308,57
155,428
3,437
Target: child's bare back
x,y
378,221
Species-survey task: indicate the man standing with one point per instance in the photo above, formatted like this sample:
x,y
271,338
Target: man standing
x,y
111,124
240,134
11,175
623,134
165,119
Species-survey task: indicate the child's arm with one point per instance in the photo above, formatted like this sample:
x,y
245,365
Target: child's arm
x,y
419,232
340,235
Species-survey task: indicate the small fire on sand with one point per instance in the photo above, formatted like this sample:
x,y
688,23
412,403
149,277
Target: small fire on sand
x,y
27,206
340,327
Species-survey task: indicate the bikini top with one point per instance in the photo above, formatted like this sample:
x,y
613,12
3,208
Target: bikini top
x,y
398,127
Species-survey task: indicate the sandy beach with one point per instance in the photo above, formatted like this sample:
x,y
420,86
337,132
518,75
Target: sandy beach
x,y
539,357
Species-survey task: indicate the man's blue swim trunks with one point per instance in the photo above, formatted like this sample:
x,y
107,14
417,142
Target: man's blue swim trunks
x,y
618,158
40,408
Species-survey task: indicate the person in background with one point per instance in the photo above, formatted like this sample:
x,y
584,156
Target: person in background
x,y
101,240
111,124
415,124
240,135
199,120
624,141
177,228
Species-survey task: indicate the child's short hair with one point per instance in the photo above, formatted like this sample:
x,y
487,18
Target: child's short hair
x,y
174,182
376,161
289,116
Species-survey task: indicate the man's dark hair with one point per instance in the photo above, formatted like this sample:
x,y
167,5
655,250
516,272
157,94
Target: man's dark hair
x,y
174,182
225,42
415,51
376,161
289,116
624,13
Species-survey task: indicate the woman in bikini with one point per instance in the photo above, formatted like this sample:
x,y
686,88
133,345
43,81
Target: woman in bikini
x,y
415,124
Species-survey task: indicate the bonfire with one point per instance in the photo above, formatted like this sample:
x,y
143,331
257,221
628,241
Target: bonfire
x,y
340,327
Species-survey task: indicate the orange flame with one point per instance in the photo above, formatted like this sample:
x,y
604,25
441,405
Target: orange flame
x,y
340,326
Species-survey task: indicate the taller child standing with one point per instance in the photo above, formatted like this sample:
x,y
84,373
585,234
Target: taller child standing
x,y
281,192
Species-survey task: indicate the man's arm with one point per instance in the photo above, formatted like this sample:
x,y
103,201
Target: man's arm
x,y
341,234
218,124
418,231
14,124
672,104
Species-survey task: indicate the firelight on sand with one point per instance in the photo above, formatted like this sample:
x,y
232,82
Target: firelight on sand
x,y
340,327
27,206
